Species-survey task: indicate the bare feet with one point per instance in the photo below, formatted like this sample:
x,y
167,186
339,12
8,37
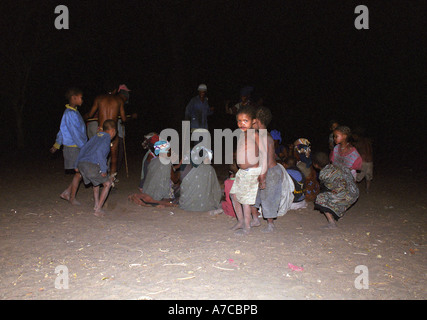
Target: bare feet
x,y
65,196
237,226
74,202
269,228
255,223
99,212
242,232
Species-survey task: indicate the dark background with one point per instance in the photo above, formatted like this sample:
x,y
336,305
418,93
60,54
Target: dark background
x,y
306,60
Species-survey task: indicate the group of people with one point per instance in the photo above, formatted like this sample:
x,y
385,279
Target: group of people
x,y
265,180
86,151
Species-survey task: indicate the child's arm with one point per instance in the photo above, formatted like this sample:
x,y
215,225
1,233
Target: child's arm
x,y
59,138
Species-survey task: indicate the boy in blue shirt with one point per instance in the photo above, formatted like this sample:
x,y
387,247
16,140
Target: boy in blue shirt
x,y
92,163
72,136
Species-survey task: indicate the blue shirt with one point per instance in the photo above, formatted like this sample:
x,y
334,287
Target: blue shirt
x,y
96,151
197,112
72,131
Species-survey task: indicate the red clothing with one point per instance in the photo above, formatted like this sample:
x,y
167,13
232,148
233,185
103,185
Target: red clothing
x,y
351,159
227,205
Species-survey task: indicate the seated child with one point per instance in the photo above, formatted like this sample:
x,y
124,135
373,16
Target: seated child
x,y
344,153
92,163
339,190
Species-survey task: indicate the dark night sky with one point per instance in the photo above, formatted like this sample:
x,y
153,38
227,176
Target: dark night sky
x,y
305,58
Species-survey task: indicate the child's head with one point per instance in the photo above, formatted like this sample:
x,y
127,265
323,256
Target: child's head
x,y
320,160
264,116
342,134
74,96
110,127
246,117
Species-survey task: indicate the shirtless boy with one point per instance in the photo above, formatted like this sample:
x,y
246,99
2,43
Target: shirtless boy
x,y
109,106
250,155
268,197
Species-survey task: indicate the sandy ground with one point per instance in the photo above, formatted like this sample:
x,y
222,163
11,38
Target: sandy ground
x,y
140,253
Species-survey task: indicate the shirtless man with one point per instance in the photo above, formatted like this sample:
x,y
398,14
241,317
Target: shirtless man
x,y
110,106
250,155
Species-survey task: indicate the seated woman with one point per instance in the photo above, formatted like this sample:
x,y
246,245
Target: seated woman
x,y
339,190
299,183
147,144
157,187
200,189
302,152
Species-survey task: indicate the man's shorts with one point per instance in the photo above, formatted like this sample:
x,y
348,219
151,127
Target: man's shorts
x,y
91,173
70,156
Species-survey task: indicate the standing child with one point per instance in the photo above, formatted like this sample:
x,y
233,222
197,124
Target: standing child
x,y
270,197
72,136
92,163
251,159
344,154
339,190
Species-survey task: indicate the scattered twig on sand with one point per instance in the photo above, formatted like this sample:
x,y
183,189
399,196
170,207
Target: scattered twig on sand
x,y
157,292
221,268
186,278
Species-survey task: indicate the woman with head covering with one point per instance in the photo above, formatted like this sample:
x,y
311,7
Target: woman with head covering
x,y
157,187
302,152
200,189
148,144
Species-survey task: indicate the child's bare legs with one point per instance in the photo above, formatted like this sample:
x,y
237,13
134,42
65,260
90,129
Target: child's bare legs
x,y
100,199
243,214
239,212
247,217
255,221
69,194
